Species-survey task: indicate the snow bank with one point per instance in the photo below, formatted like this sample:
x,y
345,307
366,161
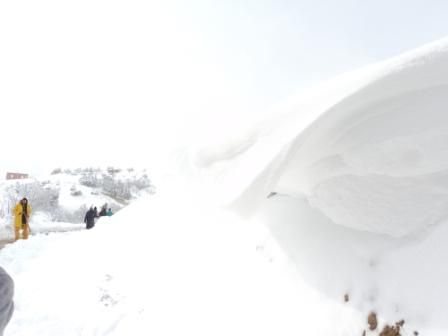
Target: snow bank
x,y
352,180
368,149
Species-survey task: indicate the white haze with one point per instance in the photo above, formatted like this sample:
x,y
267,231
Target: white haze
x,y
110,82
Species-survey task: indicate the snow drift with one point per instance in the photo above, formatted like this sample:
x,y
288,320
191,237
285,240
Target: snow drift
x,y
368,149
352,179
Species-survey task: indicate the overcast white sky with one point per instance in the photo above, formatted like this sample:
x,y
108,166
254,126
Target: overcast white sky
x,y
93,82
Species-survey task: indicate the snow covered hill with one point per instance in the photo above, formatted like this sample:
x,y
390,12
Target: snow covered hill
x,y
61,199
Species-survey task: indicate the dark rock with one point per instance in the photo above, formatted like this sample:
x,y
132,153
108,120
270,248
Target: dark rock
x,y
372,321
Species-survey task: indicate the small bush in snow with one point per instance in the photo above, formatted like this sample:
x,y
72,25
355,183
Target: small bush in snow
x,y
90,180
76,193
112,171
41,198
116,189
142,183
69,216
56,171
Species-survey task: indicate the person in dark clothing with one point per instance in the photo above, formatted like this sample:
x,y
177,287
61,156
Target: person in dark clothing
x,y
103,211
89,218
95,211
6,299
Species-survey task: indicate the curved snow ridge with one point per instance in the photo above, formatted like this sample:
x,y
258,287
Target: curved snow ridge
x,y
378,160
369,149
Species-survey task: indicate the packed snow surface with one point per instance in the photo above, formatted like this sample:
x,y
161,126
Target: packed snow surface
x,y
342,194
161,274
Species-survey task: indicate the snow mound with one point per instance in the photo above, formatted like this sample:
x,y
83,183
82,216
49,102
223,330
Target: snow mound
x,y
368,149
352,181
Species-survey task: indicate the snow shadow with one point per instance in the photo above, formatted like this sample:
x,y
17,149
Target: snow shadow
x,y
399,278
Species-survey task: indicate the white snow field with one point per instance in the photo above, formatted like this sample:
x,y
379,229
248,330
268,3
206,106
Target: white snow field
x,y
343,192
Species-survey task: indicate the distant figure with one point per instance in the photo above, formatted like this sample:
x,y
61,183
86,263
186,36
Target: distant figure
x,y
103,212
109,212
96,212
22,212
6,299
89,218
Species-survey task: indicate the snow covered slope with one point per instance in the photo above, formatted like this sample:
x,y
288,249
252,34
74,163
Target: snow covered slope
x,y
60,200
183,269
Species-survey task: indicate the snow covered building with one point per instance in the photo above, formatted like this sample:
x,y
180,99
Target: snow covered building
x,y
16,176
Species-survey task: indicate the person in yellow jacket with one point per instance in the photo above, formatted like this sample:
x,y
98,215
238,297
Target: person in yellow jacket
x,y
22,212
